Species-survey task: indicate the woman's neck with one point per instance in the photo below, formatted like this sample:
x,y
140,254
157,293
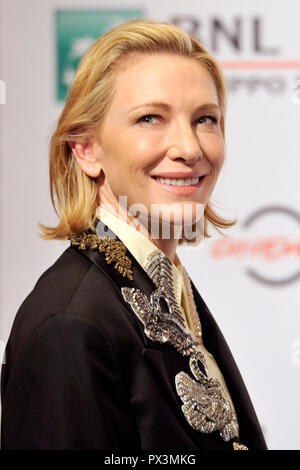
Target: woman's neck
x,y
168,247
164,238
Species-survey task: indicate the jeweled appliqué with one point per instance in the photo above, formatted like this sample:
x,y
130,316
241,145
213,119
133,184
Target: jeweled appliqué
x,y
159,326
205,405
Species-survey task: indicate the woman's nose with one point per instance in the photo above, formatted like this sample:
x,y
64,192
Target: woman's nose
x,y
183,143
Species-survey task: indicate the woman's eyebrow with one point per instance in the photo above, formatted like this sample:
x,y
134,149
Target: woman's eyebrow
x,y
202,107
208,106
151,104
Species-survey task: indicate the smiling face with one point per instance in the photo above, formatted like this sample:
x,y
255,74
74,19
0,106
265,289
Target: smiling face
x,y
163,121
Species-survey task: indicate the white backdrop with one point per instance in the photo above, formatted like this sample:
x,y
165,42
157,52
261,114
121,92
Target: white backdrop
x,y
250,280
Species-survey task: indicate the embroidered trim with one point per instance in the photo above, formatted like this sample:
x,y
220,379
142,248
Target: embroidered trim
x,y
114,250
196,325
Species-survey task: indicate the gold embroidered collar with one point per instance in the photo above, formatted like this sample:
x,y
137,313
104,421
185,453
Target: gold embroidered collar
x,y
114,250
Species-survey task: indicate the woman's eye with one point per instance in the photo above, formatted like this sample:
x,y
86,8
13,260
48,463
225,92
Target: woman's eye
x,y
207,120
148,118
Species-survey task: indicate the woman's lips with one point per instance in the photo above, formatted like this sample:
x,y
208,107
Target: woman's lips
x,y
180,190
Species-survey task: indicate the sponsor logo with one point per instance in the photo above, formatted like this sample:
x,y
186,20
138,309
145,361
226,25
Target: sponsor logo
x,y
240,34
259,64
76,31
272,260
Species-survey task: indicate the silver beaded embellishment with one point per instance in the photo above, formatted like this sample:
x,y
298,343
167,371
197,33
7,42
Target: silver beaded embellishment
x,y
205,405
161,326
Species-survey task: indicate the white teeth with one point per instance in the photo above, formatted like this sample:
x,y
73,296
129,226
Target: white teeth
x,y
179,181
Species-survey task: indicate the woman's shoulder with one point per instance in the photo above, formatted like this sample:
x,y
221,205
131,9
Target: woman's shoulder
x,y
73,287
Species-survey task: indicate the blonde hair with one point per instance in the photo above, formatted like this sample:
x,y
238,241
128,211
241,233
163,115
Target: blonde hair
x,y
86,104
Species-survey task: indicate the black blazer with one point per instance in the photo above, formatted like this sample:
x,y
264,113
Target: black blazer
x,y
81,374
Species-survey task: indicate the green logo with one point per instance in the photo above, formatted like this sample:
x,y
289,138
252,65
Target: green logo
x,y
76,31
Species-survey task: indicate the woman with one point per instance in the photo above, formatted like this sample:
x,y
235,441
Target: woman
x,y
114,348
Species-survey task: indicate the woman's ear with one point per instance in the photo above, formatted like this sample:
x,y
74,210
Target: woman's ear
x,y
87,155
